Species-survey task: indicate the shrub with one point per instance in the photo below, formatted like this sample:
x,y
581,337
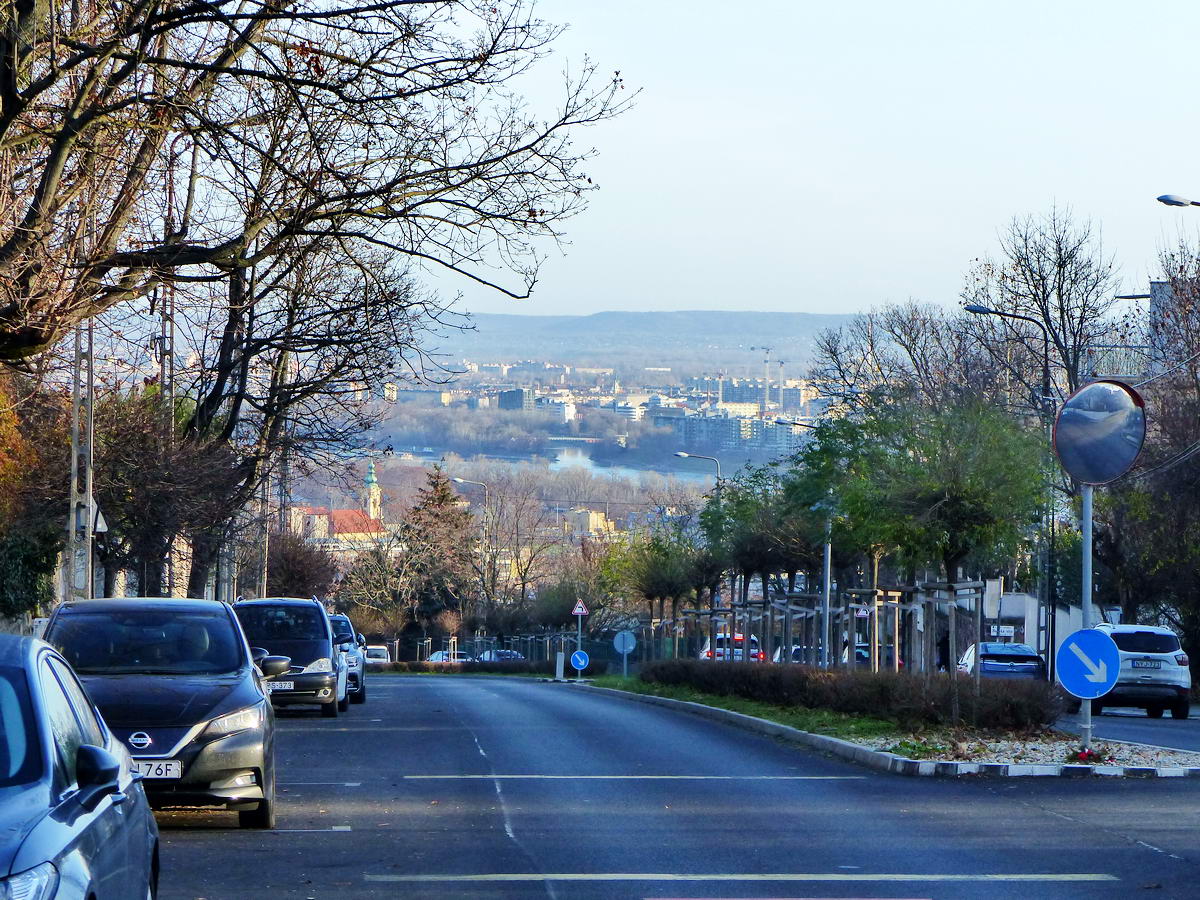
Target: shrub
x,y
912,701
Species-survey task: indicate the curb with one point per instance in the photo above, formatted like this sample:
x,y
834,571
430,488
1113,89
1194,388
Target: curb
x,y
882,761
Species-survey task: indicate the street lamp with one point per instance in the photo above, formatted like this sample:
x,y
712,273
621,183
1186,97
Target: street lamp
x,y
683,455
988,311
1176,200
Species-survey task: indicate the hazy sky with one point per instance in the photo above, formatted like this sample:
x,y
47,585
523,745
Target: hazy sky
x,y
827,157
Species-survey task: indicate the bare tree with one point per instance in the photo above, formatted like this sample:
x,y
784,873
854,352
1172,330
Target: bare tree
x,y
174,142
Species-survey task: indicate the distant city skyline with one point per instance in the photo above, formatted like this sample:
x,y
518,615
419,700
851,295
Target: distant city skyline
x,y
831,158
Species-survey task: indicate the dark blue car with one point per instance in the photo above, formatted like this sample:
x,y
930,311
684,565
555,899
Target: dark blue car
x,y
74,821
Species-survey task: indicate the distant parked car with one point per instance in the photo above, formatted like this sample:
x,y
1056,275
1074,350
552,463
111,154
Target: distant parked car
x,y
998,660
446,656
1154,671
862,656
798,654
299,629
74,821
377,656
356,657
500,656
722,649
179,686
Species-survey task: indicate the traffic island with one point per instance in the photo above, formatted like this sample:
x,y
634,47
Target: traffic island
x,y
1044,756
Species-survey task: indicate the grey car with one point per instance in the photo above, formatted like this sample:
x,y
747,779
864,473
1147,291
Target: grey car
x,y
356,657
181,689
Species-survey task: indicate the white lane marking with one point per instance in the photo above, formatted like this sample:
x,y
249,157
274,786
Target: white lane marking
x,y
499,794
638,777
1023,877
311,783
310,830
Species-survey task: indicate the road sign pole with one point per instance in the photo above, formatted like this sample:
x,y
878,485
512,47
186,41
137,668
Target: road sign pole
x,y
1085,707
579,644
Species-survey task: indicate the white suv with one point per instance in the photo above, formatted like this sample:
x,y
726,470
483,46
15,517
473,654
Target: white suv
x,y
1154,671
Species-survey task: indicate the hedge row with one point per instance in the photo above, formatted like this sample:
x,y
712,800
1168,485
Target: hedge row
x,y
912,701
514,667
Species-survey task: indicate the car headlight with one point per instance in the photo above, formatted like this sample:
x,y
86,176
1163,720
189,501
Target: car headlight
x,y
319,665
242,720
38,883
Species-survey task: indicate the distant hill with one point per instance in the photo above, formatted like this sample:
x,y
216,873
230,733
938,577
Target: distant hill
x,y
694,341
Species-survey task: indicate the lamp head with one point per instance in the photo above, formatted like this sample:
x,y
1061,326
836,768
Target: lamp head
x,y
978,310
1174,200
681,454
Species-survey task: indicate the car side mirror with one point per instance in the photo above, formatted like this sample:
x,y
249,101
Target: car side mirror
x,y
258,654
97,771
362,641
271,666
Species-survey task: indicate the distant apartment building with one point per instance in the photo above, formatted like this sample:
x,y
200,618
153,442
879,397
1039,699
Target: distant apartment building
x,y
424,396
588,522
731,433
560,411
516,399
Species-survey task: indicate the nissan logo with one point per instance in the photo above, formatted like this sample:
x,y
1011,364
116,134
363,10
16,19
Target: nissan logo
x,y
140,740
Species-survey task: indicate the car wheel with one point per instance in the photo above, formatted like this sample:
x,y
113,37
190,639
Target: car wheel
x,y
1097,708
360,696
330,710
1154,712
263,817
1180,710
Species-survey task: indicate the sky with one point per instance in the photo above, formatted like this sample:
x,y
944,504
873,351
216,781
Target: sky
x,y
829,157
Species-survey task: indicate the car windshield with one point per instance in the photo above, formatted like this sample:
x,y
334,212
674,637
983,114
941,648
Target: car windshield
x,y
376,653
149,641
1008,650
342,628
1145,642
265,624
738,643
20,762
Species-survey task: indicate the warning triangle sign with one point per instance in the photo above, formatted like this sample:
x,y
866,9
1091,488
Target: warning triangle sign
x,y
580,609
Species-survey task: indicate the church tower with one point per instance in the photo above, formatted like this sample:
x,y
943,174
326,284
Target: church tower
x,y
372,495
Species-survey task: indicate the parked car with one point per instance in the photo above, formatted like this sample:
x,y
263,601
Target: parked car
x,y
998,660
299,629
500,656
356,657
1154,671
181,690
74,820
446,656
721,652
377,656
862,656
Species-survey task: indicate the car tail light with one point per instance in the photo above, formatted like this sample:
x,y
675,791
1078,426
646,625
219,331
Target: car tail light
x,y
760,655
708,653
1181,658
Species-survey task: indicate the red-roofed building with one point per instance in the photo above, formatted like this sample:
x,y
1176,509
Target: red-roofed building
x,y
343,532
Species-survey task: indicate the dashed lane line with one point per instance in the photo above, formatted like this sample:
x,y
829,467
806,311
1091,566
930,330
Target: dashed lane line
x,y
636,777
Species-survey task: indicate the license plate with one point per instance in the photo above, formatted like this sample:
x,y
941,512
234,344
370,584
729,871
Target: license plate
x,y
1147,664
279,685
158,768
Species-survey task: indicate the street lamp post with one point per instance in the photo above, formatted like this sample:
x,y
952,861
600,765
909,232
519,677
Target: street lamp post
x,y
712,633
683,455
1047,409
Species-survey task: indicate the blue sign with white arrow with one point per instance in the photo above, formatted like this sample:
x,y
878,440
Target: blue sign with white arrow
x,y
579,660
1088,664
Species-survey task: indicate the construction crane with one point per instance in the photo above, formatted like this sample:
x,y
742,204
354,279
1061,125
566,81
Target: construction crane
x,y
766,400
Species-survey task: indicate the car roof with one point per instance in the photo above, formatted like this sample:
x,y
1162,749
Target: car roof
x,y
280,601
1129,629
119,604
16,649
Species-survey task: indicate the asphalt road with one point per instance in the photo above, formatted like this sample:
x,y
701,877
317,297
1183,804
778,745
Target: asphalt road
x,y
1135,725
507,788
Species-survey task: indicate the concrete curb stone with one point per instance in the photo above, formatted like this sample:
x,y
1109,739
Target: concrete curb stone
x,y
882,761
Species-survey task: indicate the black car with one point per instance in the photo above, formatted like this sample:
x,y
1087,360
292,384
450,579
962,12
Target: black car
x,y
356,657
74,821
299,629
178,685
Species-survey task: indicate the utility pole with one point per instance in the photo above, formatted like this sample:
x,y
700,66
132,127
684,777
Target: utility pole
x,y
81,519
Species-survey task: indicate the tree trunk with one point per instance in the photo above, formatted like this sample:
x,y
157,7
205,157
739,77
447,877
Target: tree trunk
x,y
205,548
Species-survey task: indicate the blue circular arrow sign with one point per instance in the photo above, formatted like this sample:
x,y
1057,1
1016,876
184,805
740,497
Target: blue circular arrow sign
x,y
1088,664
579,659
